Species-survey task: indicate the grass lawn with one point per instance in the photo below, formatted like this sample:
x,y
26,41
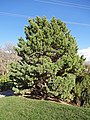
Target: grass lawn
x,y
19,108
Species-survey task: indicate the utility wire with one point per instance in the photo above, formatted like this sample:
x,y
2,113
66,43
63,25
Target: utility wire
x,y
25,16
76,23
59,1
13,14
63,4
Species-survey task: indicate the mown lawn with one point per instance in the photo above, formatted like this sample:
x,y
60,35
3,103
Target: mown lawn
x,y
19,108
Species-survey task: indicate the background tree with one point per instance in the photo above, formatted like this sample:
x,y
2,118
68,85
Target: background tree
x,y
7,55
87,65
82,87
49,63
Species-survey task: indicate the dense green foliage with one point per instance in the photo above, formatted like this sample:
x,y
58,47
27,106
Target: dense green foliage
x,y
5,83
49,65
18,108
82,90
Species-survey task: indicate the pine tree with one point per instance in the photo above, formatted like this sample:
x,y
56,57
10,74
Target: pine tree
x,y
49,62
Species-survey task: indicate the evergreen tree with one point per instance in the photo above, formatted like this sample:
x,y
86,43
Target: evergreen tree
x,y
82,90
49,63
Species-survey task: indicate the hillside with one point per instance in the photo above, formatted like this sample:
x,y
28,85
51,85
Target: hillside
x,y
19,108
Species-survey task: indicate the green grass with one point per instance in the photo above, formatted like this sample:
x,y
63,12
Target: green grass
x,y
19,108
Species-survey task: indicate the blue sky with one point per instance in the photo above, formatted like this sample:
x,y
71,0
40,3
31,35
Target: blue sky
x,y
12,22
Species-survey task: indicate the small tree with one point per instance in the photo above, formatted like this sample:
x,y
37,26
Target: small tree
x,y
49,62
82,91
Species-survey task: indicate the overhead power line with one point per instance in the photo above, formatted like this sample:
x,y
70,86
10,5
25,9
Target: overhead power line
x,y
27,16
61,3
77,23
13,14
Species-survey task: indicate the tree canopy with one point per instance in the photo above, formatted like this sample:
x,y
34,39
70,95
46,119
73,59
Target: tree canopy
x,y
49,64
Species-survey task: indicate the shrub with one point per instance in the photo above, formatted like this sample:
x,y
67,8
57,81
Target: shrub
x,y
5,82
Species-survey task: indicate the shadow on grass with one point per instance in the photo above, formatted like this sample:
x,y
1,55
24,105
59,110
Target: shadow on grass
x,y
7,93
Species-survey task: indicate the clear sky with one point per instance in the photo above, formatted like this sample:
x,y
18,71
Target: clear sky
x,y
14,15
